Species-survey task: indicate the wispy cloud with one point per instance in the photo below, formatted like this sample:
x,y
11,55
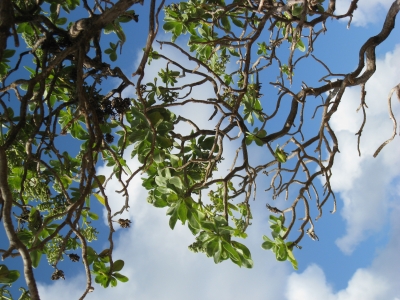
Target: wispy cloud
x,y
371,11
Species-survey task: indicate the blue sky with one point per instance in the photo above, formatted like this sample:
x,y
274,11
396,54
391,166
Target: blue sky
x,y
356,257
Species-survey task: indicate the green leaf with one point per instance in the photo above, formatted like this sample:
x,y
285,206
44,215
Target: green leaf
x,y
178,29
118,265
99,266
262,133
207,51
273,219
176,181
32,71
61,21
202,32
159,156
169,26
124,19
208,226
8,53
232,252
36,255
280,155
53,8
21,27
164,142
265,238
160,203
113,46
3,71
120,277
225,23
182,212
249,118
245,251
172,196
220,221
290,254
13,275
156,118
217,254
237,22
193,230
175,160
8,276
249,139
104,280
113,56
300,45
93,216
109,28
248,263
267,245
193,219
161,181
212,246
233,52
208,143
121,35
25,236
3,269
91,255
281,254
100,178
113,281
78,132
173,219
297,10
259,142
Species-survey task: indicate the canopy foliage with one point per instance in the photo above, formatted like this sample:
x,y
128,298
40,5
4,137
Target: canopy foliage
x,y
56,69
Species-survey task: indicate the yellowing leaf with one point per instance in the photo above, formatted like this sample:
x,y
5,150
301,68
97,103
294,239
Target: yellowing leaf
x,y
100,198
280,155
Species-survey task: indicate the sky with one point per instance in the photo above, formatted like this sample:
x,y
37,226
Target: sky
x,y
356,257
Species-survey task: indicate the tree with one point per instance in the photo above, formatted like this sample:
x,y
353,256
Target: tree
x,y
48,191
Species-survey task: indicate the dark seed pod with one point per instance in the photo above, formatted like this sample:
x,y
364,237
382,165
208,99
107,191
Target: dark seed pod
x,y
124,223
57,275
73,257
109,138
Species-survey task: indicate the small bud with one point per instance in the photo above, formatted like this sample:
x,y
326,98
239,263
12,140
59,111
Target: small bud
x,y
273,209
312,234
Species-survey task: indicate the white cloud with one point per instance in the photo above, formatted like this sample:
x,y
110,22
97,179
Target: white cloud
x,y
363,181
371,11
312,285
71,288
379,281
